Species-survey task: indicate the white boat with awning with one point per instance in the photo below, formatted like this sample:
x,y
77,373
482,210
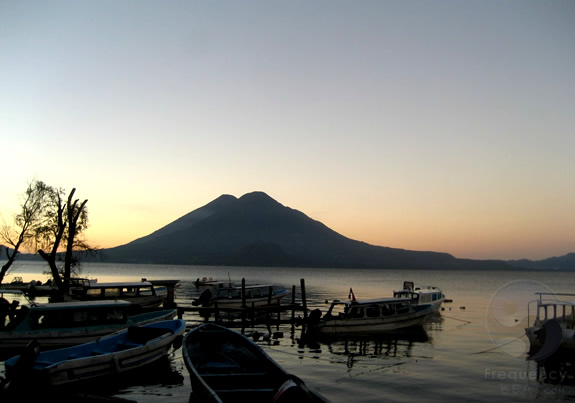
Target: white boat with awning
x,y
421,295
368,316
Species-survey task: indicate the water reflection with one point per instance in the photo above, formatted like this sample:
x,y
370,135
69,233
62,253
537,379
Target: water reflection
x,y
398,344
558,369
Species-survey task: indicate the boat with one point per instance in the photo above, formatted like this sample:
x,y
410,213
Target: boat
x,y
234,297
421,295
63,324
31,289
114,354
140,293
226,366
211,282
166,289
368,316
553,328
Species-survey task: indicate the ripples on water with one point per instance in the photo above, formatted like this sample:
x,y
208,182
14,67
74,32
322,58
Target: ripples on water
x,y
472,350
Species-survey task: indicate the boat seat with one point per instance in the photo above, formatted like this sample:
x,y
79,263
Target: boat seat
x,y
237,381
127,345
235,376
234,391
141,335
43,363
250,395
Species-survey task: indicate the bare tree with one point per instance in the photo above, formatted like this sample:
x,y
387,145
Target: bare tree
x,y
66,222
51,223
26,223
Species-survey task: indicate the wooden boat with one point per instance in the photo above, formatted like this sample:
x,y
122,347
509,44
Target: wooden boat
x,y
140,293
226,366
211,282
64,324
421,295
241,296
31,289
369,316
553,328
114,354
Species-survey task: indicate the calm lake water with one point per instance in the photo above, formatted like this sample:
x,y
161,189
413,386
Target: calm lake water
x,y
474,350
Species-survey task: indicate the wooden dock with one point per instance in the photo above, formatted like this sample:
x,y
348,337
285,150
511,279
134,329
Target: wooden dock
x,y
268,314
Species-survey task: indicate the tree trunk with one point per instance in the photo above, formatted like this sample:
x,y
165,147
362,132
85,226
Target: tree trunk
x,y
11,258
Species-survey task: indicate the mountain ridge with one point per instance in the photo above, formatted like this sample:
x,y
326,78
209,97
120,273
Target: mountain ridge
x,y
257,230
564,262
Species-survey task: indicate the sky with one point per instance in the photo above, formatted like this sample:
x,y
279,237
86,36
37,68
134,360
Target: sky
x,y
443,126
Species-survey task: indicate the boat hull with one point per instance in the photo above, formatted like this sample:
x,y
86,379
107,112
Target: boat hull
x,y
536,342
553,329
236,303
115,354
225,366
12,342
370,326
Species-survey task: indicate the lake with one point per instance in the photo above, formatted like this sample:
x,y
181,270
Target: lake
x,y
474,350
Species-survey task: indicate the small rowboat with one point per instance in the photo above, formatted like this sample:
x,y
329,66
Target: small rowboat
x,y
110,355
226,366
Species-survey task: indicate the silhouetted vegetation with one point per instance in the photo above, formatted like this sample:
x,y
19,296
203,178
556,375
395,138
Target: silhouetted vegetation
x,y
54,225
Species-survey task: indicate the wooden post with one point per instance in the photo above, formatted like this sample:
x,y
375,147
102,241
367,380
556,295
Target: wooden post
x,y
270,291
303,299
292,303
243,292
244,306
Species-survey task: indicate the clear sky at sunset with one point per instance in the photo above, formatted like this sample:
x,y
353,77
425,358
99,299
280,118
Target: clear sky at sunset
x,y
426,125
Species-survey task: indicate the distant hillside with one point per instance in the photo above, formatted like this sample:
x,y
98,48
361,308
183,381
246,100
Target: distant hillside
x,y
256,230
565,262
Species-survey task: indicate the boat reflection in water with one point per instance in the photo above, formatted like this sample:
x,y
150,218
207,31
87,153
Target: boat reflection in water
x,y
397,344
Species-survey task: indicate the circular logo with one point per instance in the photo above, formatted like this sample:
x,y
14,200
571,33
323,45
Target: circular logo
x,y
512,309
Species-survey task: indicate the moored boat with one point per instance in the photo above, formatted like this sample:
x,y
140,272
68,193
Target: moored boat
x,y
114,354
233,297
226,366
31,289
421,295
140,293
553,328
368,316
63,324
211,282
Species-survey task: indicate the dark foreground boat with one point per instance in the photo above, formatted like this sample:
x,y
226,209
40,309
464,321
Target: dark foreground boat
x,y
64,324
108,356
226,366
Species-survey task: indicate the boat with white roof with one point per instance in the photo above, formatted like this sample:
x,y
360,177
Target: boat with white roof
x,y
368,316
233,297
63,324
421,295
141,293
